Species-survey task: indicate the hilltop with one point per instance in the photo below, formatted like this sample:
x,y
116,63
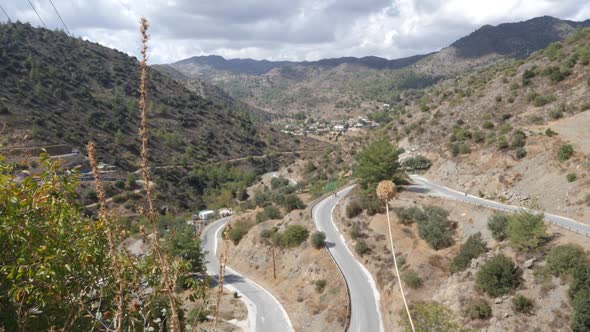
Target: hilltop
x,y
503,130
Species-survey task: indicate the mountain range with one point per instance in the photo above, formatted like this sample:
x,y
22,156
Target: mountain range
x,y
348,86
518,40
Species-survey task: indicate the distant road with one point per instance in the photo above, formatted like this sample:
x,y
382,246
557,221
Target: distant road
x,y
424,185
364,296
265,312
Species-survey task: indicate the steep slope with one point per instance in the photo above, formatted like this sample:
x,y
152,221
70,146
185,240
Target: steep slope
x,y
490,128
489,44
212,92
60,90
517,40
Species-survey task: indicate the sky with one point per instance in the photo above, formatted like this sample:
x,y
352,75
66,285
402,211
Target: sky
x,y
284,29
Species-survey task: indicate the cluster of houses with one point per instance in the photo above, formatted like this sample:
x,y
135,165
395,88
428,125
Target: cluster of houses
x,y
324,127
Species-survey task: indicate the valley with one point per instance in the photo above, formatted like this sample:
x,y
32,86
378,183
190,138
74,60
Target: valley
x,y
247,195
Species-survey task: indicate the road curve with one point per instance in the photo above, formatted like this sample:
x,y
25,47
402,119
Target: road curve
x,y
364,296
265,312
424,185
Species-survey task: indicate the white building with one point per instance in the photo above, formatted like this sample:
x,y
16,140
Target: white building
x,y
339,128
225,212
206,214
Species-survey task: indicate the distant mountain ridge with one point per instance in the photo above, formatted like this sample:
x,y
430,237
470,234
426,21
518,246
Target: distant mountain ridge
x,y
517,39
259,67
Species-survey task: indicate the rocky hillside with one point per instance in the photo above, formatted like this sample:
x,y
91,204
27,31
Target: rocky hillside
x,y
61,90
515,131
517,40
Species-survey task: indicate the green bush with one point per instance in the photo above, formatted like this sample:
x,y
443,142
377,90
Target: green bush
x,y
565,152
550,133
526,231
310,167
269,212
581,279
292,202
407,216
502,143
278,182
437,230
353,209
472,248
293,236
479,309
498,276
520,153
371,203
239,229
430,316
522,304
361,247
497,225
412,279
581,312
527,75
417,163
320,285
543,100
518,139
487,125
565,259
571,177
318,240
120,184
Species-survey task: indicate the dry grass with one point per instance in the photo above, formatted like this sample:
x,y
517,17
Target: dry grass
x,y
111,229
169,277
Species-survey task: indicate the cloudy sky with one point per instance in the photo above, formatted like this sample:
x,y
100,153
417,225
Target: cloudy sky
x,y
285,29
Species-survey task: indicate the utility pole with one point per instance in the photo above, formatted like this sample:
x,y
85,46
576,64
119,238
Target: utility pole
x,y
274,267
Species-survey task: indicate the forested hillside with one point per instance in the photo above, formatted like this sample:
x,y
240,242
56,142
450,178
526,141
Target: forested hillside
x,y
56,89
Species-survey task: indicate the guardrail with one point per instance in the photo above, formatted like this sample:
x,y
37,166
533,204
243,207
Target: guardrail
x,y
349,304
515,209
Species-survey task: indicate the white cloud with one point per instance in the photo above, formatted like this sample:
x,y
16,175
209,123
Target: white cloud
x,y
288,30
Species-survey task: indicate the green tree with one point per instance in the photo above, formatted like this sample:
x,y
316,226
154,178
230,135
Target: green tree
x,y
436,229
565,259
472,248
565,152
118,137
526,231
581,312
522,304
188,246
377,162
292,202
318,240
497,225
479,309
498,276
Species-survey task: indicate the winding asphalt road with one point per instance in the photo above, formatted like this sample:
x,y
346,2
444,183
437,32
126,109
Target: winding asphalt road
x,y
265,312
364,296
423,185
